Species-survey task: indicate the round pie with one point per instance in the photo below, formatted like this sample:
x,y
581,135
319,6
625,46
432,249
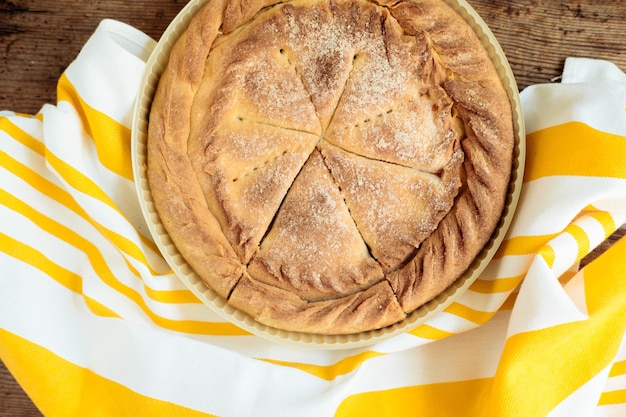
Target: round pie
x,y
329,166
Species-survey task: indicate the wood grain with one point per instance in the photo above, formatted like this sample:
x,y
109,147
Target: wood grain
x,y
40,38
537,36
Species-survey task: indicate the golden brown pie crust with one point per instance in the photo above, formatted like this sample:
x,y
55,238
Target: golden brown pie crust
x,y
329,166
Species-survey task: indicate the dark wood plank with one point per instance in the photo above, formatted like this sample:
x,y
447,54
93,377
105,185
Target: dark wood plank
x,y
39,39
13,401
537,35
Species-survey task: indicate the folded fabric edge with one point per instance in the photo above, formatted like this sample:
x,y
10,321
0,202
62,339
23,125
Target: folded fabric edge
x,y
597,71
128,37
592,91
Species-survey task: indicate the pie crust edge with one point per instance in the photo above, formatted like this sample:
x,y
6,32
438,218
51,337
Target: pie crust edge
x,y
442,258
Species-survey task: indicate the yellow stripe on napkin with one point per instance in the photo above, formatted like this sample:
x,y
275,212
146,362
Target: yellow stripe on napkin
x,y
564,150
63,197
84,393
581,238
535,364
523,245
100,266
66,278
613,397
21,136
498,285
330,372
111,138
618,368
604,218
605,282
429,332
82,183
468,313
556,348
446,399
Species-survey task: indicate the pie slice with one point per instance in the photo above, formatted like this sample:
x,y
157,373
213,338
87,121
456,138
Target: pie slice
x,y
244,185
260,83
394,207
419,129
326,63
314,249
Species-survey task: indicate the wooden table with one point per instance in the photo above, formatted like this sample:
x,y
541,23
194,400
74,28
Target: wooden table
x,y
39,38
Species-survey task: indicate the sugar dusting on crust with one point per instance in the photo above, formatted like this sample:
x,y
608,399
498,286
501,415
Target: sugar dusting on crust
x,y
324,136
340,72
313,246
394,207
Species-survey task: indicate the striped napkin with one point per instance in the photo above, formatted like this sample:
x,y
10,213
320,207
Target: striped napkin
x,y
94,323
